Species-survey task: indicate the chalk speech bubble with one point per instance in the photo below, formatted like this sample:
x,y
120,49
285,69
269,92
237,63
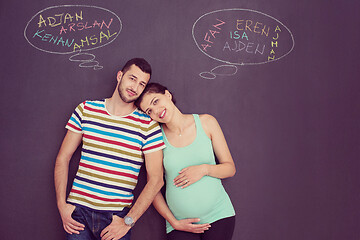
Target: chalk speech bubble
x,y
72,28
242,37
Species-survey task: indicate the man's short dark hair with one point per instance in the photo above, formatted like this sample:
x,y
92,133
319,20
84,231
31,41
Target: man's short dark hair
x,y
139,62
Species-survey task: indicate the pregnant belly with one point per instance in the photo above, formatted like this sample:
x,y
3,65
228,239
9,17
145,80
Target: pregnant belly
x,y
195,201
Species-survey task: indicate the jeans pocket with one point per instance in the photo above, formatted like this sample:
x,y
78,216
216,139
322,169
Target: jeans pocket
x,y
74,211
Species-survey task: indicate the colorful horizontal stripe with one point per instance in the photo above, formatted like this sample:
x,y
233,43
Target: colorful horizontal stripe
x,y
114,135
75,199
110,164
104,140
105,178
111,156
100,198
111,127
104,170
100,154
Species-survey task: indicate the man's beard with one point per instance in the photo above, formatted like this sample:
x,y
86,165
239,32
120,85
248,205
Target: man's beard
x,y
124,97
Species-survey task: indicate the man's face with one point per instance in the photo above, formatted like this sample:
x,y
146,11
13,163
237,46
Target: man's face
x,y
132,83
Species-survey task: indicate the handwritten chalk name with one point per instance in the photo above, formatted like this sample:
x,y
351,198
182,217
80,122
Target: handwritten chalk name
x,y
249,47
57,19
210,35
47,37
81,26
236,35
272,52
256,28
92,40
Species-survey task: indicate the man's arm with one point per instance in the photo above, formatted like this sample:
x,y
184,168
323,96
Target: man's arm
x,y
153,161
69,145
155,181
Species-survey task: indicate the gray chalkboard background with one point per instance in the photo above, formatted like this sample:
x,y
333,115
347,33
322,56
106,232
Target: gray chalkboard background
x,y
292,125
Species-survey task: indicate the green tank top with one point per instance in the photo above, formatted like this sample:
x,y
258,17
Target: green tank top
x,y
206,199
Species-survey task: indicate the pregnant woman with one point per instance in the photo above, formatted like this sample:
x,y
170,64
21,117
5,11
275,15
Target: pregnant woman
x,y
197,205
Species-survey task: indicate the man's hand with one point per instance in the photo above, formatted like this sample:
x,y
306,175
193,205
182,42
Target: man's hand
x,y
116,230
70,225
188,225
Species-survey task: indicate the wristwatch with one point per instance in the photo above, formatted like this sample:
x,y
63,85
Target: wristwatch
x,y
129,221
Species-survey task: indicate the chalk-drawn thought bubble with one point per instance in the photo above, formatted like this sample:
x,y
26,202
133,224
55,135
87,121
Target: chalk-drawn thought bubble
x,y
242,37
72,28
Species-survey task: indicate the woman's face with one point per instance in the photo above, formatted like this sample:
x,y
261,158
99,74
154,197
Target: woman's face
x,y
158,106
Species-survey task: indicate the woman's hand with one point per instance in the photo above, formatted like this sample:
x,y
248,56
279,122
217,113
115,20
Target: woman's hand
x,y
190,175
189,225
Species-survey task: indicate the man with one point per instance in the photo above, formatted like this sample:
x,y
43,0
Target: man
x,y
115,136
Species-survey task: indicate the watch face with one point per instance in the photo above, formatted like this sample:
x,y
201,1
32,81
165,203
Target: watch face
x,y
128,221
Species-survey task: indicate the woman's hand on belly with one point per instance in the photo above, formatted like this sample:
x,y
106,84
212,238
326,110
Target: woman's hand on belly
x,y
189,225
190,175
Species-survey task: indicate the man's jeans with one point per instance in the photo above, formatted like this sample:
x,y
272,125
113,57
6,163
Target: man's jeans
x,y
94,223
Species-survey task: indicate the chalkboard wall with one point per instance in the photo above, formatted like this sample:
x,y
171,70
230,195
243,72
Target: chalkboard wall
x,y
281,77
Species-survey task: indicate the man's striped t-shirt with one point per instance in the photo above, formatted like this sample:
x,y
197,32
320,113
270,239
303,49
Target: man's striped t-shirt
x,y
112,153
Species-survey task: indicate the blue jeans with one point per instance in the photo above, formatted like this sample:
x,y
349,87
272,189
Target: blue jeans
x,y
94,223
